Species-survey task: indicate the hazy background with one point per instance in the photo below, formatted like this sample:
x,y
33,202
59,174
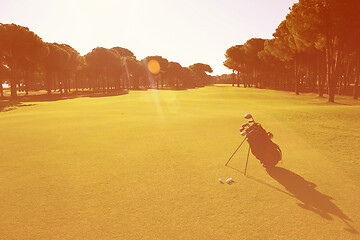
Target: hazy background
x,y
187,31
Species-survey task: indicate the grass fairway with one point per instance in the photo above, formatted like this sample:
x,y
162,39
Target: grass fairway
x,y
146,166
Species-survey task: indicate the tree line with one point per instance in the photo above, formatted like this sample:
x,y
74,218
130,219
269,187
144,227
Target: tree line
x,y
29,64
315,48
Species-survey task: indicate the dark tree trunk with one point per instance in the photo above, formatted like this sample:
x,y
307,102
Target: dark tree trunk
x,y
103,84
319,77
13,84
238,78
77,79
244,79
233,78
329,58
48,82
329,70
68,82
1,90
357,76
65,83
356,87
27,82
108,86
297,78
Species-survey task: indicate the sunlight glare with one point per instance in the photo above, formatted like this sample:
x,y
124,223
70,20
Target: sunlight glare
x,y
154,66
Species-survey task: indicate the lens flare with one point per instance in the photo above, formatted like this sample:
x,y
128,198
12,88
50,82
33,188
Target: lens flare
x,y
154,66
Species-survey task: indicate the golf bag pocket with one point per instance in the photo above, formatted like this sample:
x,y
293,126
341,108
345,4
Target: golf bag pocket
x,y
262,147
272,155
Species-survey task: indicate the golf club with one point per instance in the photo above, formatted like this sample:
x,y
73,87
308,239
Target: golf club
x,y
271,136
248,116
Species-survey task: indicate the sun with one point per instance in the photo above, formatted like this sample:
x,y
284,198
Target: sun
x,y
154,66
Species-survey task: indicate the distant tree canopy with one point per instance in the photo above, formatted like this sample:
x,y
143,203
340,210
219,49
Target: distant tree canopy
x,y
316,48
20,50
123,52
29,64
199,71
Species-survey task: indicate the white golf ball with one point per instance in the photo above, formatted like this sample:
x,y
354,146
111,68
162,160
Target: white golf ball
x,y
220,180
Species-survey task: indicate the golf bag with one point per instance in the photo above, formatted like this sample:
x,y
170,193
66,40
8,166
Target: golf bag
x,y
262,147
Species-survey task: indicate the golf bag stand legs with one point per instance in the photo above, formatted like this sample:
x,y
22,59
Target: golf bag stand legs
x,y
236,151
247,159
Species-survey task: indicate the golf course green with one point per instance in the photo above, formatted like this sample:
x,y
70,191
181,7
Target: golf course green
x,y
146,165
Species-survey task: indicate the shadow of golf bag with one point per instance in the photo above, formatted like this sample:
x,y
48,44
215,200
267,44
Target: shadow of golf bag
x,y
262,147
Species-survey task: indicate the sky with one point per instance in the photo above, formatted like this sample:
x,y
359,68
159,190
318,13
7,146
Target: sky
x,y
183,31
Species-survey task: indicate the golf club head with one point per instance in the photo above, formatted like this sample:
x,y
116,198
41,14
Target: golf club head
x,y
248,116
245,125
251,121
242,129
243,133
271,136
